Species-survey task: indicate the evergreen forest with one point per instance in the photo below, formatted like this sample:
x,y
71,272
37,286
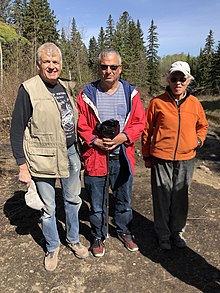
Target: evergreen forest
x,y
25,25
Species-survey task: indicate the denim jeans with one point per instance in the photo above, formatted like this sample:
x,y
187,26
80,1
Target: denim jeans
x,y
120,181
71,188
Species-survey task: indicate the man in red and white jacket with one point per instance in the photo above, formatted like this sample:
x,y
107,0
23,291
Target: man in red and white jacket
x,y
103,100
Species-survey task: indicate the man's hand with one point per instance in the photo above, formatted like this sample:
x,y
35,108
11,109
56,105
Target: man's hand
x,y
108,144
24,174
100,144
111,144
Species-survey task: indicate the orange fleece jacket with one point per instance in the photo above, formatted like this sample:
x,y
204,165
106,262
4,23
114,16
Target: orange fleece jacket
x,y
172,132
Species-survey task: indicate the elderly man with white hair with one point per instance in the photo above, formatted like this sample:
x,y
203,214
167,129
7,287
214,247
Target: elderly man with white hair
x,y
45,146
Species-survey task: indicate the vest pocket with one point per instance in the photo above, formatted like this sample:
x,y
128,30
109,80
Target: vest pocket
x,y
42,160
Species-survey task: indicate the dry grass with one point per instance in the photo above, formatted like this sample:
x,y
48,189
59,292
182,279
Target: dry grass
x,y
211,104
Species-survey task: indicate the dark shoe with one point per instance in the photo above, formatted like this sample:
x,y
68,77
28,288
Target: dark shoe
x,y
98,248
178,240
51,260
79,250
128,242
165,244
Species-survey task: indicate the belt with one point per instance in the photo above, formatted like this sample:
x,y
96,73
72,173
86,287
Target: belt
x,y
115,157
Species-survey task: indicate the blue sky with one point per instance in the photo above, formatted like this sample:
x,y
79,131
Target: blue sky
x,y
182,26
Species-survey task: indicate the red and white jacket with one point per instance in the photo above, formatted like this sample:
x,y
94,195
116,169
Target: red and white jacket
x,y
94,159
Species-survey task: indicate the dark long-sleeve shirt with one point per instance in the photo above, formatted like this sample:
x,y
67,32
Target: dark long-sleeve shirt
x,y
20,117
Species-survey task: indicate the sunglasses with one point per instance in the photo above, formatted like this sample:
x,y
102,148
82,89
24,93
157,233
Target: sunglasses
x,y
112,67
175,79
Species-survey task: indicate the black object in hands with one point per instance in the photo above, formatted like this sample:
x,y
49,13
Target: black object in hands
x,y
109,128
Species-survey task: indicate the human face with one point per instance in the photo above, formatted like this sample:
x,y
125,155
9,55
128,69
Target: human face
x,y
110,76
178,84
51,66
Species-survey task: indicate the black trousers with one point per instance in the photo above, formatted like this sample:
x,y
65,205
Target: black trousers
x,y
170,181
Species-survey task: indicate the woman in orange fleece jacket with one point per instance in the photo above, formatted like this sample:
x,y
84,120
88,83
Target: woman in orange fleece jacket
x,y
175,127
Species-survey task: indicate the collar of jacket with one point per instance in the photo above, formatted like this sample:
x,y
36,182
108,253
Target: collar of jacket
x,y
188,92
129,89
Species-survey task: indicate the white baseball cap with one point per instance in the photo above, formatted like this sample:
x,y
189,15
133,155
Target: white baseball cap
x,y
32,198
182,67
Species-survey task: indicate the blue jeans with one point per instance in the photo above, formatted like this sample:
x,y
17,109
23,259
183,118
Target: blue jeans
x,y
120,181
71,188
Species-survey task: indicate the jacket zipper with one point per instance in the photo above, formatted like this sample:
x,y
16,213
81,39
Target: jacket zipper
x,y
178,133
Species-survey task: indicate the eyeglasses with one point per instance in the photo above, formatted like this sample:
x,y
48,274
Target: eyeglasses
x,y
112,67
175,79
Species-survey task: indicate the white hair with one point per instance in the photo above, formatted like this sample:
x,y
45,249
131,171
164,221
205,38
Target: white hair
x,y
50,48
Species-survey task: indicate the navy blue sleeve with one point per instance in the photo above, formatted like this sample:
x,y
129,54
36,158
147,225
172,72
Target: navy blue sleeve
x,y
20,117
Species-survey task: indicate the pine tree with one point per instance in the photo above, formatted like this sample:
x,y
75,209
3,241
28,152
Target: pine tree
x,y
135,59
209,45
153,60
140,37
101,39
122,36
122,42
80,59
38,26
93,56
139,54
17,15
109,32
216,71
40,23
66,48
193,63
75,57
76,43
5,7
205,63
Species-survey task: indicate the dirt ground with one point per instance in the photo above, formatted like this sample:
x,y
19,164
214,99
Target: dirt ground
x,y
188,270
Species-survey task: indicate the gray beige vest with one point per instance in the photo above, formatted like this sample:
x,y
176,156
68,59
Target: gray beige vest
x,y
44,138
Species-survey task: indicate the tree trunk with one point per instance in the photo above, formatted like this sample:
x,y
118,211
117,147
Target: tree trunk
x,y
1,67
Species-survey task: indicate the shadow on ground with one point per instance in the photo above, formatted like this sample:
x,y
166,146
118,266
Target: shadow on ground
x,y
184,264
